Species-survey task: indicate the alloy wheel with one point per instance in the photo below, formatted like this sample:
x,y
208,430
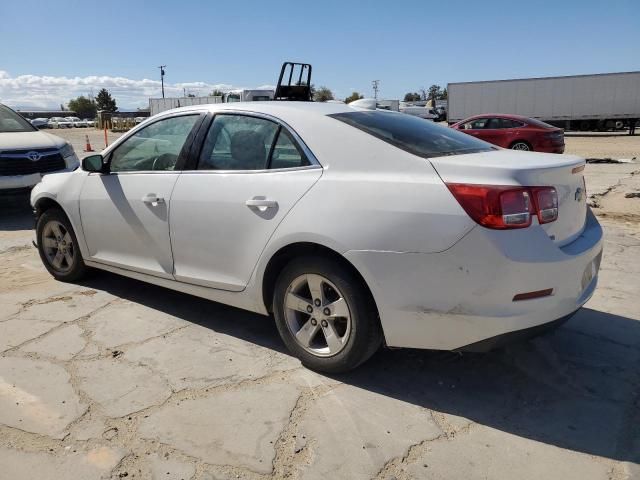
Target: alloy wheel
x,y
520,146
317,315
57,246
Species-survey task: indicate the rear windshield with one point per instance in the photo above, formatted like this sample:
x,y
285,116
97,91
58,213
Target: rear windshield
x,y
539,123
412,134
10,121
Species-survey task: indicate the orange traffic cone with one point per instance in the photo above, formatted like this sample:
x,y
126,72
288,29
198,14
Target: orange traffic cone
x,y
88,147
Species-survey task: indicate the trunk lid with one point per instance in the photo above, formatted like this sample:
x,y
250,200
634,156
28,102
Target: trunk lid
x,y
508,167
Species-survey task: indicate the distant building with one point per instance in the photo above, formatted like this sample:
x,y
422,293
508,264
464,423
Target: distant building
x,y
31,114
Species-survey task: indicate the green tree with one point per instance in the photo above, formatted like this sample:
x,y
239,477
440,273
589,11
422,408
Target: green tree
x,y
216,93
322,94
434,93
411,97
444,94
191,95
104,101
83,106
354,96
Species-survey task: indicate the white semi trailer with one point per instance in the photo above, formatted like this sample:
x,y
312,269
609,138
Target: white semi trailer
x,y
580,102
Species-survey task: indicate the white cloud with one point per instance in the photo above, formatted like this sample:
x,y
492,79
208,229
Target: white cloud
x,y
49,92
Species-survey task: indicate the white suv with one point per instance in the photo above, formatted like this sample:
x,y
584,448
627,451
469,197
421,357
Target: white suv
x,y
26,153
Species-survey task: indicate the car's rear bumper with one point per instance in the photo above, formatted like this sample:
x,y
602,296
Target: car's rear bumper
x,y
464,295
515,336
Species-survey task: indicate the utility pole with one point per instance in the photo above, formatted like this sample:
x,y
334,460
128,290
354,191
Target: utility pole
x,y
375,84
162,67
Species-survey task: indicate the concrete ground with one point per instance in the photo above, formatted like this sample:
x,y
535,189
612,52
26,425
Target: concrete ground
x,y
114,378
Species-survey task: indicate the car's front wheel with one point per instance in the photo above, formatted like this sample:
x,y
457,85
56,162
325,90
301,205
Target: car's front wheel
x,y
58,246
325,316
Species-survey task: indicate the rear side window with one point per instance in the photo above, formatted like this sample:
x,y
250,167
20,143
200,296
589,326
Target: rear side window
x,y
414,135
242,142
539,123
286,154
508,123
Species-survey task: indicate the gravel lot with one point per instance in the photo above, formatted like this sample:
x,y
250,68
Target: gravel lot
x,y
114,378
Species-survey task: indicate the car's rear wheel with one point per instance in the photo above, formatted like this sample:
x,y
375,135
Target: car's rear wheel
x,y
325,316
523,146
58,246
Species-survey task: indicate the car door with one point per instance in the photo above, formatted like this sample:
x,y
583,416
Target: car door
x,y
250,172
125,213
493,132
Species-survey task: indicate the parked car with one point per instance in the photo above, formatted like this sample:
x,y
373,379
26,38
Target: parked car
x,y
59,122
90,122
26,154
40,123
442,114
77,122
515,132
352,227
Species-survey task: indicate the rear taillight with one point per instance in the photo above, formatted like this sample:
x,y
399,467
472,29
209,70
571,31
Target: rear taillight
x,y
546,203
505,207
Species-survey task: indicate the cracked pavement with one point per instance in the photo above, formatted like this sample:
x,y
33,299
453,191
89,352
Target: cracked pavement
x,y
114,378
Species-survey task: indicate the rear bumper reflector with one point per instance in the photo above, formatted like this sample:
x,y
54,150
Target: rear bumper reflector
x,y
531,295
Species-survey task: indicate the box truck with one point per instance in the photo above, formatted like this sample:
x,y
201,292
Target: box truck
x,y
580,102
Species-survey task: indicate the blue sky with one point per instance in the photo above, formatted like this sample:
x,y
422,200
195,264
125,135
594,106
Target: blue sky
x,y
51,50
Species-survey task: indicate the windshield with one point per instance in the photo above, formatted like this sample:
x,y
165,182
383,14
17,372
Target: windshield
x,y
10,121
412,134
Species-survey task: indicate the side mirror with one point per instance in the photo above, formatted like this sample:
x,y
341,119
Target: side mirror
x,y
93,163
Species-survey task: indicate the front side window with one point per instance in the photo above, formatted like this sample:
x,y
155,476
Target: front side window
x,y
476,124
412,134
10,121
238,142
155,147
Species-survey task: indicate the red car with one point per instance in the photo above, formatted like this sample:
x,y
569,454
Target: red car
x,y
514,131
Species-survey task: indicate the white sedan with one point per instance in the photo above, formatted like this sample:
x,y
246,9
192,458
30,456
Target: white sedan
x,y
59,122
354,228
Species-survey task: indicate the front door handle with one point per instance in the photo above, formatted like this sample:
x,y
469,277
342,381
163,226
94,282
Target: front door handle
x,y
153,199
261,203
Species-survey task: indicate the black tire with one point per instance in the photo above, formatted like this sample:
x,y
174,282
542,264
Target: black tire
x,y
522,146
76,269
365,335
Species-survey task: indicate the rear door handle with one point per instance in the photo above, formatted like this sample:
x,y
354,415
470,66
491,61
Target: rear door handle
x,y
261,203
153,199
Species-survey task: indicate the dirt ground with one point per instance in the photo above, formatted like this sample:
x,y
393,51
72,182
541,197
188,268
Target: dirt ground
x,y
597,145
113,378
